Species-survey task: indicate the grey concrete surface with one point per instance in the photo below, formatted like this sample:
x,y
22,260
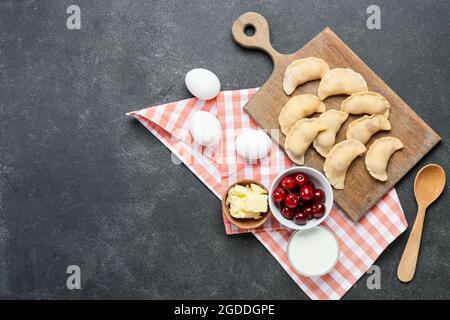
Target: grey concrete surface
x,y
80,183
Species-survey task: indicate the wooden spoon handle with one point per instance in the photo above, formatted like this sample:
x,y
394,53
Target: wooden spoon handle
x,y
408,262
260,39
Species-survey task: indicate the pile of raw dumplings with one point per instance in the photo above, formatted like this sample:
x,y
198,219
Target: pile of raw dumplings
x,y
302,131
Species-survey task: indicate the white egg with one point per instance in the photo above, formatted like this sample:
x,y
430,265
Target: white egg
x,y
205,128
202,83
253,144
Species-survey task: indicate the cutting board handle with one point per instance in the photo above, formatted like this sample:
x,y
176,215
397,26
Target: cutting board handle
x,y
260,39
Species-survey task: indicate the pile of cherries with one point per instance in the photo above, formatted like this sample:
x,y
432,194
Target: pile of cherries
x,y
299,200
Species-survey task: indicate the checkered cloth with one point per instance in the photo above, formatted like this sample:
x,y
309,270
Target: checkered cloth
x,y
360,243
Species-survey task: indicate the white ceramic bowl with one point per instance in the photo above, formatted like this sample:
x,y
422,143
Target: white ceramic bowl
x,y
315,252
319,181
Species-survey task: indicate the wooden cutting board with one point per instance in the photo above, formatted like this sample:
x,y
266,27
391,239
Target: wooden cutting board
x,y
361,190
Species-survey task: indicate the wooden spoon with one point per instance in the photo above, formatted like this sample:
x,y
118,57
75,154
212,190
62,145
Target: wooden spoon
x,y
428,186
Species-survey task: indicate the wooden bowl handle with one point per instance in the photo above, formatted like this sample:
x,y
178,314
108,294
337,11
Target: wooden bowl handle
x,y
260,39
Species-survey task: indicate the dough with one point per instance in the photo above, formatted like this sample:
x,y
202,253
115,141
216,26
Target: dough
x,y
300,138
367,102
303,70
341,81
339,160
378,156
325,140
365,127
297,108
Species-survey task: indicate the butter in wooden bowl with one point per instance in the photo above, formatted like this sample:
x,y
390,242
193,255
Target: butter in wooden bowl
x,y
246,204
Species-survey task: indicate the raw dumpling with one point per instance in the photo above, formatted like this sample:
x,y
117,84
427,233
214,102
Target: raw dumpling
x,y
325,140
341,81
365,127
297,108
378,156
366,102
300,137
339,159
303,70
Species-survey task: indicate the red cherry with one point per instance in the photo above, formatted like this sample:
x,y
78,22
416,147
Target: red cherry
x,y
318,209
292,200
288,183
301,179
278,194
309,212
301,218
319,195
311,184
306,192
288,213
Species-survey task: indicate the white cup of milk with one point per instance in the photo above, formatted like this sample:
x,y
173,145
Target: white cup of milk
x,y
313,252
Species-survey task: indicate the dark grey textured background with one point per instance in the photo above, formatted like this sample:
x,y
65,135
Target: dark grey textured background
x,y
80,183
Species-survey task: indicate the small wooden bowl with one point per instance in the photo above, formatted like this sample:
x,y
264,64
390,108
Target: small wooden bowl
x,y
244,223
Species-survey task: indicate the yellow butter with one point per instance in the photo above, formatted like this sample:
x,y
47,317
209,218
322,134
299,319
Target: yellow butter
x,y
247,202
257,189
240,191
236,205
256,203
235,199
248,215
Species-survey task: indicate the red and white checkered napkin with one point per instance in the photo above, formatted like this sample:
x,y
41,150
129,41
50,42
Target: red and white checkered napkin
x,y
360,243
